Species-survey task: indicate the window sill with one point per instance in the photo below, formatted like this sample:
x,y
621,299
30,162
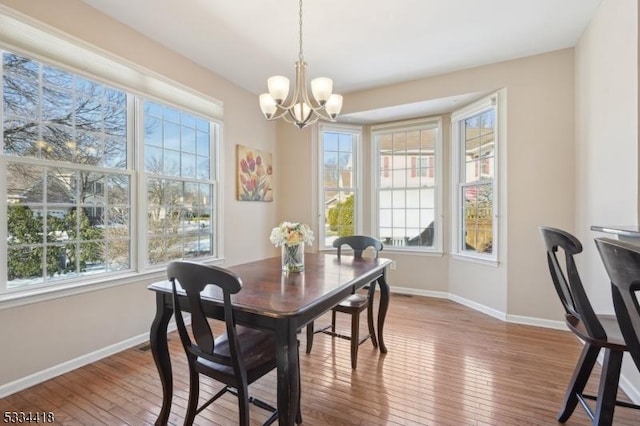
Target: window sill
x,y
26,297
476,259
413,252
395,250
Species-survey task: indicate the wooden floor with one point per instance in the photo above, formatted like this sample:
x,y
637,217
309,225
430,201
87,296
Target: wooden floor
x,y
447,365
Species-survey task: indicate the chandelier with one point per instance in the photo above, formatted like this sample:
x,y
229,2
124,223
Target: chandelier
x,y
301,110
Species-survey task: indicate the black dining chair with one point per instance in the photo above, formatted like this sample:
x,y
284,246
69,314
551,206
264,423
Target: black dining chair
x,y
622,263
237,357
597,331
354,304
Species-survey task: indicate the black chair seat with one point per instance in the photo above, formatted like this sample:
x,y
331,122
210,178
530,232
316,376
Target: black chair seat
x,y
257,349
354,302
613,339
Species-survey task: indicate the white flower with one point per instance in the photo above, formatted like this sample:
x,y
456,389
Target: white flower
x,y
290,233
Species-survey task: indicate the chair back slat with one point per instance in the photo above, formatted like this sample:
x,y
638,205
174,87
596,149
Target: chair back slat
x,y
193,278
358,243
622,263
567,281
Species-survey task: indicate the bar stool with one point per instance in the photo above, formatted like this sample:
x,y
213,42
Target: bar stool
x,y
598,331
622,262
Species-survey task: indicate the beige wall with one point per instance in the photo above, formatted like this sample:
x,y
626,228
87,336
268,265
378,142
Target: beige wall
x,y
606,139
42,335
539,174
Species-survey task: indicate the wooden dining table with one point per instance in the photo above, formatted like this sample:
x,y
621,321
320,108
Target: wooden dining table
x,y
282,302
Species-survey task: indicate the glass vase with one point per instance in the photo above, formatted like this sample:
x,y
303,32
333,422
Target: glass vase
x,y
293,257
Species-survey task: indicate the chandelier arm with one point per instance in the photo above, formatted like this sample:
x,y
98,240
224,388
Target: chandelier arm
x,y
323,114
290,118
280,113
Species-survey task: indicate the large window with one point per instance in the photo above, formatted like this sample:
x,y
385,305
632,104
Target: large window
x,y
67,149
179,185
475,176
407,184
339,196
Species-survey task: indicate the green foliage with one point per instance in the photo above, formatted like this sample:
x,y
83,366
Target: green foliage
x,y
340,217
89,236
25,261
26,254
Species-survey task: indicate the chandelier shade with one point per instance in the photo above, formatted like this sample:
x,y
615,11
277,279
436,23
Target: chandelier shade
x,y
301,109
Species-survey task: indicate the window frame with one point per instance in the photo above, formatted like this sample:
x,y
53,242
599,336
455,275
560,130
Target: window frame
x,y
356,132
377,168
497,102
52,48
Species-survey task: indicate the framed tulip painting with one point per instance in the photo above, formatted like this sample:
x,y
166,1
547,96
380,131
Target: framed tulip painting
x,y
255,170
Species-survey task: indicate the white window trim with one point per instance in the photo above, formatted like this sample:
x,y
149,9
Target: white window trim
x,y
357,175
497,99
437,249
24,35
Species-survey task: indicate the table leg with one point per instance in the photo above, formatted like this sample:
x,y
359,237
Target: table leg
x,y
288,380
160,351
382,310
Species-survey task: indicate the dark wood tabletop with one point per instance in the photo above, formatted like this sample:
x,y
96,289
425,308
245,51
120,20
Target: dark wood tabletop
x,y
283,302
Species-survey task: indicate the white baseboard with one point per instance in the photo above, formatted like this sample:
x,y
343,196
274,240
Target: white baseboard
x,y
65,367
478,307
538,322
516,319
632,392
416,292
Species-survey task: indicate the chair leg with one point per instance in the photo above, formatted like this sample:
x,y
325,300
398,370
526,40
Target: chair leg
x,y
372,331
355,338
194,393
608,388
370,299
309,336
333,321
578,381
243,406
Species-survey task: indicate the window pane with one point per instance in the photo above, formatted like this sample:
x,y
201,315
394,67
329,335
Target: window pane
x,y
188,138
337,180
406,182
171,163
171,136
339,216
478,218
179,209
61,232
53,114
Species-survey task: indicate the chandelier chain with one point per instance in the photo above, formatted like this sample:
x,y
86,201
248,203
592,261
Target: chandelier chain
x,y
300,55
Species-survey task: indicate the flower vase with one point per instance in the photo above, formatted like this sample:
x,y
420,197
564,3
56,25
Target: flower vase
x,y
293,257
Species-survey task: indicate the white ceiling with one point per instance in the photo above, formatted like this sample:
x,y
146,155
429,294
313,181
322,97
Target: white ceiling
x,y
358,43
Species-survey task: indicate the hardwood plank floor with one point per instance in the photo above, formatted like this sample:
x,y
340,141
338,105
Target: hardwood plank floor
x,y
447,365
